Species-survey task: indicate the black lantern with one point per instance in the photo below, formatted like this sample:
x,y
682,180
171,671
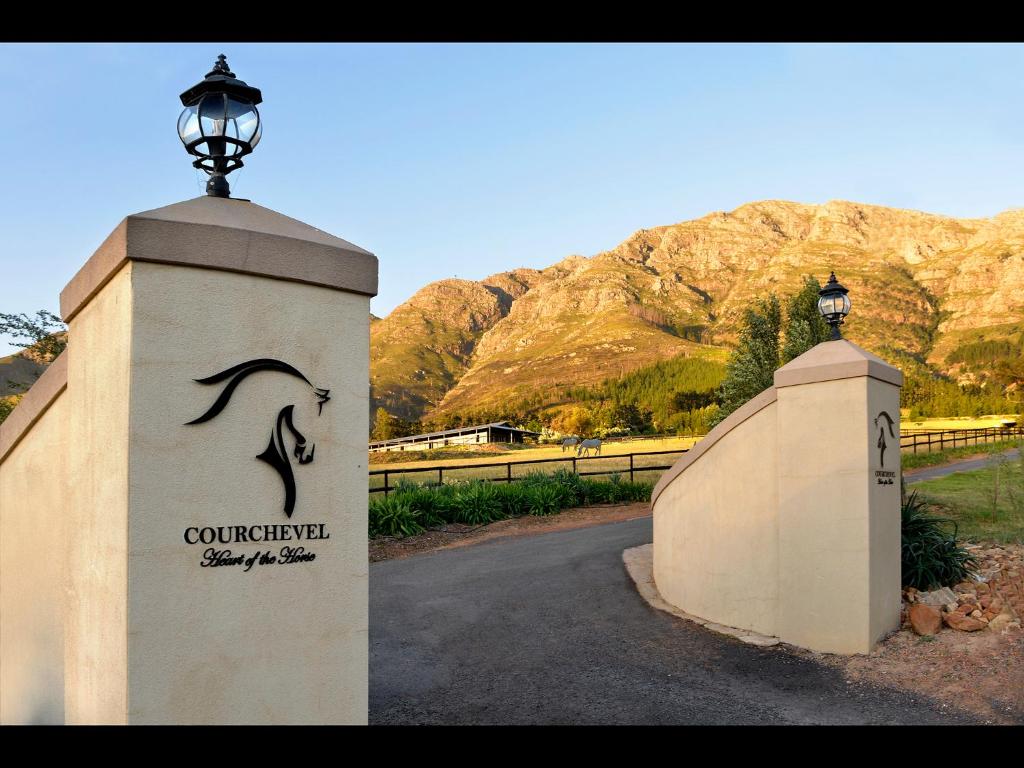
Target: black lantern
x,y
220,124
834,304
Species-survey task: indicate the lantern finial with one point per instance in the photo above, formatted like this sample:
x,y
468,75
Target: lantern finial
x,y
221,67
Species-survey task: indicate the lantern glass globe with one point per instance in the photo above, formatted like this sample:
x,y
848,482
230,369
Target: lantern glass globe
x,y
834,305
218,116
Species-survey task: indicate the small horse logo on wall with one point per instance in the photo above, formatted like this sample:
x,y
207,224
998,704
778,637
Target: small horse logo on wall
x,y
276,454
881,434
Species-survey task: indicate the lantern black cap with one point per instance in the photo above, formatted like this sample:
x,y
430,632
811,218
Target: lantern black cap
x,y
221,79
832,286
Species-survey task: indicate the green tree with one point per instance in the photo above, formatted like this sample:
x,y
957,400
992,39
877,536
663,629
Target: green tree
x,y
805,327
751,368
629,416
43,336
383,426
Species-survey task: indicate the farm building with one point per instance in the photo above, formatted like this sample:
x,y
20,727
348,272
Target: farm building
x,y
497,432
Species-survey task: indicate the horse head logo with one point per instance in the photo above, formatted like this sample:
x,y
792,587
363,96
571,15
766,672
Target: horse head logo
x,y
276,453
881,433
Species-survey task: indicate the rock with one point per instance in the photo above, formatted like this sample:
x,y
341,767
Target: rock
x,y
925,619
995,604
976,614
964,586
937,597
957,620
1000,622
965,609
982,589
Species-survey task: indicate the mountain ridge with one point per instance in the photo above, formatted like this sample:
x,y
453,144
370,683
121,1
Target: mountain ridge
x,y
920,283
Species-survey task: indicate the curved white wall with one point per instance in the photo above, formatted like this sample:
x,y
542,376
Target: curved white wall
x,y
716,526
785,519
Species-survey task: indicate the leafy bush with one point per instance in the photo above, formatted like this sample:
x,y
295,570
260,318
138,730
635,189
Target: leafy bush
x,y
545,499
393,516
476,503
931,557
411,508
514,499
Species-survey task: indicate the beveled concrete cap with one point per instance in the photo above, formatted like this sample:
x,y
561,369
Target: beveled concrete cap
x,y
832,360
228,235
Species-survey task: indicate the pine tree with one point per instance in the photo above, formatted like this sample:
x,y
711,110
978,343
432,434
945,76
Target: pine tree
x,y
805,327
383,426
751,368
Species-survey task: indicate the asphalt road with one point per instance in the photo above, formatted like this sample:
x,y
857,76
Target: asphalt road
x,y
930,473
550,629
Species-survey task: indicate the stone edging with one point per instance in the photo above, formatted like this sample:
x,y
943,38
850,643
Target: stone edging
x,y
34,404
640,566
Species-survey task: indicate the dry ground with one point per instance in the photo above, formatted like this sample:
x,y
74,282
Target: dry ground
x,y
981,672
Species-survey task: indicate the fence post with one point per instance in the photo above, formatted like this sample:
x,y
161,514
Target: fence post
x,y
574,465
509,473
631,467
440,475
385,482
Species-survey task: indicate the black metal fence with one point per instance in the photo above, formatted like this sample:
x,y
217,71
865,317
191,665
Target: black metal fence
x,y
632,464
937,440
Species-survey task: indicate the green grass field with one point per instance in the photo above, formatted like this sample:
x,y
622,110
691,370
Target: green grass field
x,y
956,422
935,458
614,460
986,504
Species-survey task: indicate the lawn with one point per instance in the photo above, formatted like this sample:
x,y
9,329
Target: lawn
x,y
986,503
618,462
917,460
957,422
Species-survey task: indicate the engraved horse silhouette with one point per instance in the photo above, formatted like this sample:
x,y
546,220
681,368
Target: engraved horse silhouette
x,y
276,454
881,433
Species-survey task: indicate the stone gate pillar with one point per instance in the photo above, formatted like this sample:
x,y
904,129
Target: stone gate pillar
x,y
839,498
216,522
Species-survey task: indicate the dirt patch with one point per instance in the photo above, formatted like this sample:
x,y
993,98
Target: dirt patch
x,y
981,672
459,535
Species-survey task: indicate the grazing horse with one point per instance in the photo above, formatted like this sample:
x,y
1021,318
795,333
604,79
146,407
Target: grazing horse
x,y
569,442
585,446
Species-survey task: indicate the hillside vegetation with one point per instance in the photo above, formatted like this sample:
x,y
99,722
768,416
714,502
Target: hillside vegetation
x,y
938,296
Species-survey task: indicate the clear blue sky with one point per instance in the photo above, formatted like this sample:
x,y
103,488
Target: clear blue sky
x,y
471,159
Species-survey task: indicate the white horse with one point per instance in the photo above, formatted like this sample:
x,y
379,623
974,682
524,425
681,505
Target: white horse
x,y
569,442
586,445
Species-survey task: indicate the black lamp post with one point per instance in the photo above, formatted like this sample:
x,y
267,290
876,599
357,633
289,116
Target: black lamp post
x,y
834,304
220,124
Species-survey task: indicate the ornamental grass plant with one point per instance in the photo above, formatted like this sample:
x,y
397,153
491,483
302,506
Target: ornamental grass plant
x,y
410,508
930,555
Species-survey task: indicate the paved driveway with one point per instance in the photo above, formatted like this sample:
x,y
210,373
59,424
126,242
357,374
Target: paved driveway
x,y
549,629
968,465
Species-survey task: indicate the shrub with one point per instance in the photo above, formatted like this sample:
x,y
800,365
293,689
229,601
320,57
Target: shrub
x,y
393,516
931,557
544,499
431,505
514,499
476,503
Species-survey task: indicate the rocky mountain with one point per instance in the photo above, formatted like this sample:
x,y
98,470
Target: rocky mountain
x,y
920,283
